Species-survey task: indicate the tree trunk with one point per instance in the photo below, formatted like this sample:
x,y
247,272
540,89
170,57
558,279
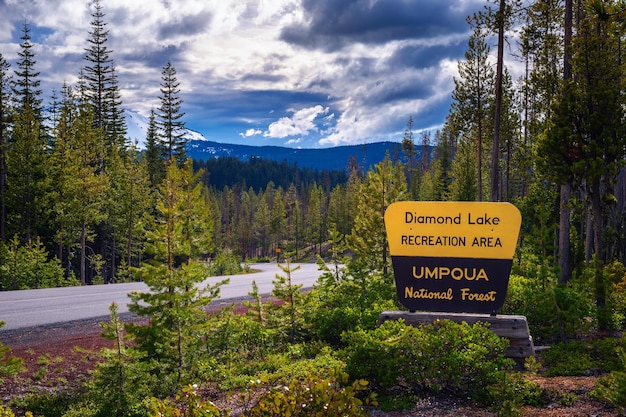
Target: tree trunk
x,y
565,257
496,192
83,253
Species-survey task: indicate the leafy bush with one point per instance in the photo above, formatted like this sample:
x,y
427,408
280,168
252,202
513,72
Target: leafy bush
x,y
186,404
612,387
554,312
346,300
580,357
313,396
27,266
225,262
459,358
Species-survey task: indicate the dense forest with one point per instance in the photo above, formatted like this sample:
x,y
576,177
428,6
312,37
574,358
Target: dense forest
x,y
80,205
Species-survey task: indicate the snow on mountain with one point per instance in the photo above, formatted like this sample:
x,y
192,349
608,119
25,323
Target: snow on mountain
x,y
137,128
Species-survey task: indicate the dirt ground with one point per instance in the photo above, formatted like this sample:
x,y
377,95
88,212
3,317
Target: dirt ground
x,y
62,355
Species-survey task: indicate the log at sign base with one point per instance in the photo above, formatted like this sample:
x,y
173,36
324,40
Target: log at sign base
x,y
514,328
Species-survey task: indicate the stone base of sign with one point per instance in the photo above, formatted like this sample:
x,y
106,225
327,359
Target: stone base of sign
x,y
514,328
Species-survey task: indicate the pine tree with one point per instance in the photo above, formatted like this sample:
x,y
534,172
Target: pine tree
x,y
81,182
100,83
585,138
5,116
153,153
170,342
464,186
130,204
169,116
287,318
261,225
472,98
26,87
120,381
26,159
383,185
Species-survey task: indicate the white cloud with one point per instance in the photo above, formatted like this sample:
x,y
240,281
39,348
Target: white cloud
x,y
301,123
293,141
250,132
231,50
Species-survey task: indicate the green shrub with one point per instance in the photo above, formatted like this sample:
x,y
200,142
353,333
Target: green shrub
x,y
459,358
568,359
580,357
345,301
186,404
611,388
225,262
313,396
554,312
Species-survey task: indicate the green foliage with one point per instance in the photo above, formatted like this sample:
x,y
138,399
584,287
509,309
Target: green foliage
x,y
120,381
511,390
171,342
383,186
28,266
287,318
188,403
233,343
313,396
225,262
577,358
9,365
346,299
48,404
447,356
553,311
612,388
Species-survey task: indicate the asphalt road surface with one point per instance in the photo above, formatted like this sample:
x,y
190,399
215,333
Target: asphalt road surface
x,y
31,308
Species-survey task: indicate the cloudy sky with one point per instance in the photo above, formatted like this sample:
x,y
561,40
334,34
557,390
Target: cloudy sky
x,y
299,73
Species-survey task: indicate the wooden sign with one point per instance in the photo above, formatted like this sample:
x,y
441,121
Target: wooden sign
x,y
452,256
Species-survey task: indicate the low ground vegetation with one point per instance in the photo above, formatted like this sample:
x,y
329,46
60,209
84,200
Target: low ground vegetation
x,y
280,357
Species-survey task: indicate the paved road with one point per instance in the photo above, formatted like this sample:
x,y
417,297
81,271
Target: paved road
x,y
29,308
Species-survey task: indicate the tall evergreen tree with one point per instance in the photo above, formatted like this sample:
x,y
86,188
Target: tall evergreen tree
x,y
408,147
171,341
169,116
100,83
472,99
28,148
5,121
153,153
26,87
81,182
383,185
585,139
130,208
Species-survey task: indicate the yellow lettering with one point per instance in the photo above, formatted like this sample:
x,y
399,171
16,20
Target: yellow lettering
x,y
467,295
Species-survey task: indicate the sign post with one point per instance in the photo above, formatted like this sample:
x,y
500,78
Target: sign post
x,y
452,260
452,256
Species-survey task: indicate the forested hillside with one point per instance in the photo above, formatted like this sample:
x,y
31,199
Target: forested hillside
x,y
79,205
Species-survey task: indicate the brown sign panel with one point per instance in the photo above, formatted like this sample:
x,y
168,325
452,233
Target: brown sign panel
x,y
452,256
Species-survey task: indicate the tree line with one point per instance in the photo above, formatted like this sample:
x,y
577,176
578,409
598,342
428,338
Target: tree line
x,y
77,196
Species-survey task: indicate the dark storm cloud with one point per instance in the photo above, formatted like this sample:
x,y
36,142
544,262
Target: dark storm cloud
x,y
333,24
220,108
157,58
426,56
187,25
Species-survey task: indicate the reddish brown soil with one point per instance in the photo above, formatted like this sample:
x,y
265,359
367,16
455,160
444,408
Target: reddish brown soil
x,y
60,357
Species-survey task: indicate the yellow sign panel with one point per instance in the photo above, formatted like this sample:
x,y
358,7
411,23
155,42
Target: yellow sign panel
x,y
453,229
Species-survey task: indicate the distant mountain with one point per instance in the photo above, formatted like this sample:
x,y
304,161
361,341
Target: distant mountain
x,y
320,159
199,148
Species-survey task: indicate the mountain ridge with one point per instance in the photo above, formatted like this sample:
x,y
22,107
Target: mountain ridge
x,y
335,158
